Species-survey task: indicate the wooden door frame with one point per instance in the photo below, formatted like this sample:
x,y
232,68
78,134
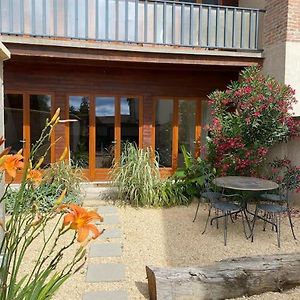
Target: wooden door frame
x,y
175,129
26,118
93,173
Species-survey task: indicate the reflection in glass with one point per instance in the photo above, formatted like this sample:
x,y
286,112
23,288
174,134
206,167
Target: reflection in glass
x,y
163,131
105,131
130,120
40,111
13,120
187,124
79,108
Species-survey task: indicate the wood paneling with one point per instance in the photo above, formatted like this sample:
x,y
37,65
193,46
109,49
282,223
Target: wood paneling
x,y
69,77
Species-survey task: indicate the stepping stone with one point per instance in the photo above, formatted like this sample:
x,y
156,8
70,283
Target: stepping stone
x,y
107,210
112,219
105,295
111,233
105,250
105,272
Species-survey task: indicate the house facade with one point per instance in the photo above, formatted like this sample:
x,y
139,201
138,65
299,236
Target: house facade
x,y
122,70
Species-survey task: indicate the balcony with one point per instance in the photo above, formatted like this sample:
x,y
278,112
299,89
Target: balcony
x,y
158,22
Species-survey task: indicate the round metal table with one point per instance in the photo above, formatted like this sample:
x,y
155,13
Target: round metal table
x,y
244,183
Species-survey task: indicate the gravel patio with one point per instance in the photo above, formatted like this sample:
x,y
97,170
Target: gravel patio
x,y
168,237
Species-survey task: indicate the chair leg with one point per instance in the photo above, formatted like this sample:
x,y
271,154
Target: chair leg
x,y
225,228
248,223
207,219
197,211
217,220
278,228
291,224
254,220
265,222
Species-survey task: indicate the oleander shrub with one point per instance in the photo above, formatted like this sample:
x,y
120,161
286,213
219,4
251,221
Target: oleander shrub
x,y
249,117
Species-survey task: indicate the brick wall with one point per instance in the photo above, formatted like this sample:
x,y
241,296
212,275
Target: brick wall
x,y
282,21
275,25
293,23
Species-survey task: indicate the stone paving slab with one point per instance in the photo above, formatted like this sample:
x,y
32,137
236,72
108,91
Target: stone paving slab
x,y
105,250
105,272
106,295
110,220
107,210
111,233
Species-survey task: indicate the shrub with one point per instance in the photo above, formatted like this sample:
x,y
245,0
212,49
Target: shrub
x,y
196,176
249,117
285,174
59,176
138,180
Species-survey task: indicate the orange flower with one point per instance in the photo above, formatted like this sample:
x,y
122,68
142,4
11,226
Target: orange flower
x,y
79,218
12,163
34,176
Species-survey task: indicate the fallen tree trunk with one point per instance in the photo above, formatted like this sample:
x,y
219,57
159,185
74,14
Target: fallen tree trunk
x,y
228,278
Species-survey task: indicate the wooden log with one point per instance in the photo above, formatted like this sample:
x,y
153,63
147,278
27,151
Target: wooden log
x,y
229,278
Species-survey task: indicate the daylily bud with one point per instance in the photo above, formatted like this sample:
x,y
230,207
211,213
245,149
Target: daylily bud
x,y
20,151
5,151
2,140
55,117
64,154
60,198
39,162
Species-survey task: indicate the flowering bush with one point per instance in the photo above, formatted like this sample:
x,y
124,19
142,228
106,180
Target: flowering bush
x,y
48,271
285,174
249,117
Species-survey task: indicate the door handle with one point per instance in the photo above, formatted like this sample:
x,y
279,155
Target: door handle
x,y
22,141
114,142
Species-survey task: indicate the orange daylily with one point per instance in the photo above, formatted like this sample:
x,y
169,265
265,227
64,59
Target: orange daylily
x,y
79,219
12,163
34,176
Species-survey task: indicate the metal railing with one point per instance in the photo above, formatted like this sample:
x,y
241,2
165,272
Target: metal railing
x,y
134,21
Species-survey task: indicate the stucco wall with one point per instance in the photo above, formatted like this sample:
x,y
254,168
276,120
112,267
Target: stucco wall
x,y
292,71
4,54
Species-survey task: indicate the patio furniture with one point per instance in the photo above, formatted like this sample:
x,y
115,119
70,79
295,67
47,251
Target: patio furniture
x,y
244,183
227,208
210,196
278,205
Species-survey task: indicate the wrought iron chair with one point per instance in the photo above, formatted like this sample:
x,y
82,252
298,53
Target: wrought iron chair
x,y
277,204
228,209
210,196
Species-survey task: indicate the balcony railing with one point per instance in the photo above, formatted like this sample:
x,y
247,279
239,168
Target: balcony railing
x,y
134,21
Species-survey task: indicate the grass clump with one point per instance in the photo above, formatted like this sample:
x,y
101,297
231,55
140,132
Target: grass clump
x,y
138,180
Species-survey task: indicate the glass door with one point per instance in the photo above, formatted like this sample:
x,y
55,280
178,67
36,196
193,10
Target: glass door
x,y
116,120
105,123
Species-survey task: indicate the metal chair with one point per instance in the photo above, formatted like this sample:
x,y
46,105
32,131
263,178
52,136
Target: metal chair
x,y
228,209
277,205
209,196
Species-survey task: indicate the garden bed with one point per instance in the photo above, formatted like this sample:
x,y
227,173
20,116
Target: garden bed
x,y
168,237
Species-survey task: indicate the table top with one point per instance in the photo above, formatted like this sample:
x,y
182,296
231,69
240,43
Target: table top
x,y
244,183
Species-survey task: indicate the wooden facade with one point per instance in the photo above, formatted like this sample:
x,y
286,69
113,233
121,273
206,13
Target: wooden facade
x,y
60,77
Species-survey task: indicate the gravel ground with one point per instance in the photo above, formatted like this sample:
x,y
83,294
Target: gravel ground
x,y
168,237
